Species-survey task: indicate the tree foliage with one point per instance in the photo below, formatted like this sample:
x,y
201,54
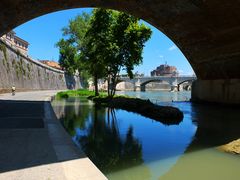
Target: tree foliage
x,y
68,56
128,38
104,44
70,46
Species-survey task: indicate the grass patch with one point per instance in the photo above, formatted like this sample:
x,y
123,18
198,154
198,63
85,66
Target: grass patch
x,y
78,93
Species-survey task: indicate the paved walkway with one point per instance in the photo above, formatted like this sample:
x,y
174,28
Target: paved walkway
x,y
33,143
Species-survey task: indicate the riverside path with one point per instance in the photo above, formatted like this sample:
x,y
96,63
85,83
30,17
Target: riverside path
x,y
33,143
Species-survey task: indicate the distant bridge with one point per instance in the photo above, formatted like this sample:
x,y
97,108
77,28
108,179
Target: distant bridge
x,y
140,83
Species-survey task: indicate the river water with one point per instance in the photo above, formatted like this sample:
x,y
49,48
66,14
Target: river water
x,y
125,145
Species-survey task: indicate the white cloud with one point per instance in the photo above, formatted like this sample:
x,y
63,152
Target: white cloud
x,y
173,47
161,56
181,71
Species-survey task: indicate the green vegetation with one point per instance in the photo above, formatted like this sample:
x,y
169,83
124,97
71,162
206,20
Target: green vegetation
x,y
4,50
8,67
69,49
19,67
29,71
102,44
77,93
17,71
28,67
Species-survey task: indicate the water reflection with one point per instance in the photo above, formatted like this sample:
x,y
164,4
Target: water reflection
x,y
100,138
159,96
72,114
103,144
125,145
217,125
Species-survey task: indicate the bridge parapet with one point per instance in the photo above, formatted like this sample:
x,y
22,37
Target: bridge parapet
x,y
140,82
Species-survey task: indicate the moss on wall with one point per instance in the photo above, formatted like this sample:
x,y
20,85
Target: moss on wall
x,y
4,50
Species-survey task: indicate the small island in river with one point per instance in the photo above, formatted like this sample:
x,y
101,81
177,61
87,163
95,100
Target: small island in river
x,y
165,114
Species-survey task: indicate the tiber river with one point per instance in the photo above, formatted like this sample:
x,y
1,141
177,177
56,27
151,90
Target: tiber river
x,y
125,145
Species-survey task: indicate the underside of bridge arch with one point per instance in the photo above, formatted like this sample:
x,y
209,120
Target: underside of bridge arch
x,y
164,85
207,32
125,85
187,83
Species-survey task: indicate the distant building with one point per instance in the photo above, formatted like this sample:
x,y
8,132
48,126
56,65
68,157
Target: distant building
x,y
165,70
16,42
52,64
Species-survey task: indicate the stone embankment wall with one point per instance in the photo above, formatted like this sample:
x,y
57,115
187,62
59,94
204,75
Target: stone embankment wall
x,y
27,74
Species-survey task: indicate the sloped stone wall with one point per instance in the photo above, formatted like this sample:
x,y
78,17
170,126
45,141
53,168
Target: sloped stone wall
x,y
27,74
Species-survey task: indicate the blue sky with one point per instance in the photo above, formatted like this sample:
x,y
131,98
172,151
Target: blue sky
x,y
43,32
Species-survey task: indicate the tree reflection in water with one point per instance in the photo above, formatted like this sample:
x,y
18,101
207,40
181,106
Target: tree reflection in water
x,y
104,145
100,138
75,116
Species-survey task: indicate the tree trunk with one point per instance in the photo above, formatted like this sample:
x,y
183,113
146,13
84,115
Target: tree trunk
x,y
96,85
108,88
114,84
112,88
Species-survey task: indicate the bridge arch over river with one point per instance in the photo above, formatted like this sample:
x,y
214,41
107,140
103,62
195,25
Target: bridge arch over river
x,y
207,32
144,85
140,83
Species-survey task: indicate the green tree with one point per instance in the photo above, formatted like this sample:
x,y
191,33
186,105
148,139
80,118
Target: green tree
x,y
103,45
113,42
68,56
127,42
96,44
70,46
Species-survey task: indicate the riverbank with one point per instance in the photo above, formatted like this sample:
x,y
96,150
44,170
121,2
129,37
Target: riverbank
x,y
232,147
33,143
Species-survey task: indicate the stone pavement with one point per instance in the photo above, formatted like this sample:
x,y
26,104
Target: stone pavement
x,y
33,143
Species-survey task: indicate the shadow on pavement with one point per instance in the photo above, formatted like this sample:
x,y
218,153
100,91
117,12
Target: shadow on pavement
x,y
24,137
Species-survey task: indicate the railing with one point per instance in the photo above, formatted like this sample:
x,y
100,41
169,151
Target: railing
x,y
159,77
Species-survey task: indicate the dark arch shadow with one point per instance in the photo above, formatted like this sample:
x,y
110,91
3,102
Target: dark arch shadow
x,y
25,11
195,27
143,85
179,84
127,83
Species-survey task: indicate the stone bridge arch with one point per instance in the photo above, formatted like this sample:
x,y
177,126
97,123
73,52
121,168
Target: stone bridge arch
x,y
143,84
129,85
207,32
189,81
